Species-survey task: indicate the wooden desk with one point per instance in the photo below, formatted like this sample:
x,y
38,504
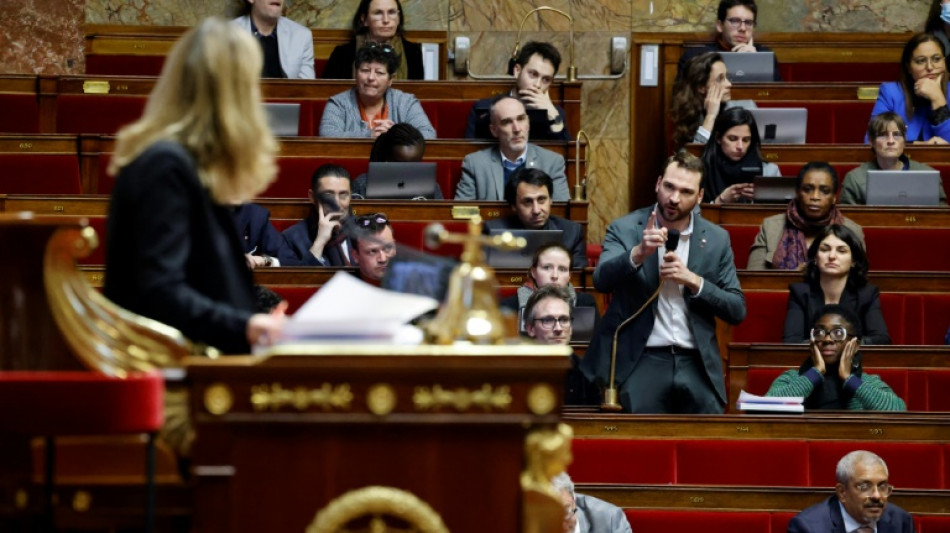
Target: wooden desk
x,y
884,216
369,418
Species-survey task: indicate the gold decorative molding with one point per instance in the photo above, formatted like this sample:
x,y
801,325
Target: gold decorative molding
x,y
547,454
218,399
377,503
487,398
82,501
21,499
95,87
541,399
275,397
381,399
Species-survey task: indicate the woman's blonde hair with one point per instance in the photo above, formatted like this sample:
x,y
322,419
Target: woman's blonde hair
x,y
208,99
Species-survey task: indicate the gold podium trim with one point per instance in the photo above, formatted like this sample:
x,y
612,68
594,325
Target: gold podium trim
x,y
377,501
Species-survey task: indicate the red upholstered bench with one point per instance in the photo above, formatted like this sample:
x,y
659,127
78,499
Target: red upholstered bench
x,y
765,317
651,521
21,113
741,238
831,122
631,461
908,248
295,296
411,233
916,465
40,174
874,73
449,118
84,113
124,65
727,462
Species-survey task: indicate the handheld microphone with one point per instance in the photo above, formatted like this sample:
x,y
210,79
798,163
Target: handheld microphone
x,y
672,239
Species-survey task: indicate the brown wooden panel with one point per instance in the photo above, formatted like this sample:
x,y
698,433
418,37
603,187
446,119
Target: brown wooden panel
x,y
884,216
792,355
802,91
902,282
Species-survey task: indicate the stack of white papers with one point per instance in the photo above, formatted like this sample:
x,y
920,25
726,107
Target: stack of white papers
x,y
348,309
776,404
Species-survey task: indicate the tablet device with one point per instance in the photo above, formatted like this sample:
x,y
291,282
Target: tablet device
x,y
283,118
521,259
773,190
903,187
786,125
395,181
749,67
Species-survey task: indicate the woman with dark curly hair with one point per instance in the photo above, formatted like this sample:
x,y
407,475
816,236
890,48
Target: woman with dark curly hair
x,y
837,273
698,97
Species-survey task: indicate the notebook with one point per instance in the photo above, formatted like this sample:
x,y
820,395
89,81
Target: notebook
x,y
283,118
903,187
785,125
394,181
774,190
748,67
521,259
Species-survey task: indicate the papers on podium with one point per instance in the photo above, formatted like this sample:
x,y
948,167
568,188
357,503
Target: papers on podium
x,y
346,309
773,404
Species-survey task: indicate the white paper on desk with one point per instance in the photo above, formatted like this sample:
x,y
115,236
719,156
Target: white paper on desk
x,y
348,308
745,397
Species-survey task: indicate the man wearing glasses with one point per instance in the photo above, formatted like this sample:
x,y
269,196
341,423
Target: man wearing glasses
x,y
832,378
373,246
735,32
860,503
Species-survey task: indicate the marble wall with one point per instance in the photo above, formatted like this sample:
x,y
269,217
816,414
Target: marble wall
x,y
45,36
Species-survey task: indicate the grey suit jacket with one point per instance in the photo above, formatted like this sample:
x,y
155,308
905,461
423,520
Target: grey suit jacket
x,y
825,517
710,256
295,43
597,516
770,234
341,116
483,177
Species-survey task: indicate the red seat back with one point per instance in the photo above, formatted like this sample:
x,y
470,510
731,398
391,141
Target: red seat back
x,y
124,65
765,317
623,461
105,114
40,174
21,113
662,521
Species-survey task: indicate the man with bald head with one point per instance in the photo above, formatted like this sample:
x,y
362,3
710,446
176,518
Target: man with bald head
x,y
859,504
485,173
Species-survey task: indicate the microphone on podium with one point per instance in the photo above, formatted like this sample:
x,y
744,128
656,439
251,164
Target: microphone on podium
x,y
611,402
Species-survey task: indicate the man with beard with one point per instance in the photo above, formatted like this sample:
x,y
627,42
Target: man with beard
x,y
859,504
667,357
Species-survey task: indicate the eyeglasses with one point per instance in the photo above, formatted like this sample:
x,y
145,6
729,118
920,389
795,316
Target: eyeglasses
x,y
547,322
386,48
837,334
375,219
922,61
737,22
883,488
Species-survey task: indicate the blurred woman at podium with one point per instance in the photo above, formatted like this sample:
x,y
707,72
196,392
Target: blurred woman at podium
x,y
201,146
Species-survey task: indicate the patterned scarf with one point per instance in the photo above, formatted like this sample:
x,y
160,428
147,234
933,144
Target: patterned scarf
x,y
792,250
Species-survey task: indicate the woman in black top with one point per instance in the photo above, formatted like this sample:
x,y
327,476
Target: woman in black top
x,y
380,21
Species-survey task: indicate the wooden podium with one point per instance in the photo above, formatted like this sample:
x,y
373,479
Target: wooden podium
x,y
442,429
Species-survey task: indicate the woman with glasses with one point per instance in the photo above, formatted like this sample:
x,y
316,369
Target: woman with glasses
x,y
783,239
920,96
886,133
699,96
832,377
551,265
201,146
734,158
373,106
837,273
378,21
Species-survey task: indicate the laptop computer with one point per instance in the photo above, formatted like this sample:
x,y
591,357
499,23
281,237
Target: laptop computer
x,y
773,190
903,187
746,67
283,118
521,259
786,125
394,181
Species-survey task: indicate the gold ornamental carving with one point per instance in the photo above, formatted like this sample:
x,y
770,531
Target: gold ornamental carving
x,y
21,499
372,505
275,397
541,399
82,501
487,398
547,453
381,399
218,399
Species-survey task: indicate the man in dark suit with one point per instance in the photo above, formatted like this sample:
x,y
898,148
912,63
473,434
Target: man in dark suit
x,y
667,357
263,245
860,503
735,32
318,240
587,514
534,70
485,172
528,193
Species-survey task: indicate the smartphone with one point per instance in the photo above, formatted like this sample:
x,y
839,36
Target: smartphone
x,y
328,202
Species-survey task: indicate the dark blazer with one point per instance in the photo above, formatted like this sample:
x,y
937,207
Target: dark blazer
x,y
300,237
805,302
693,51
340,64
597,516
173,253
825,517
573,234
480,117
710,256
253,226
